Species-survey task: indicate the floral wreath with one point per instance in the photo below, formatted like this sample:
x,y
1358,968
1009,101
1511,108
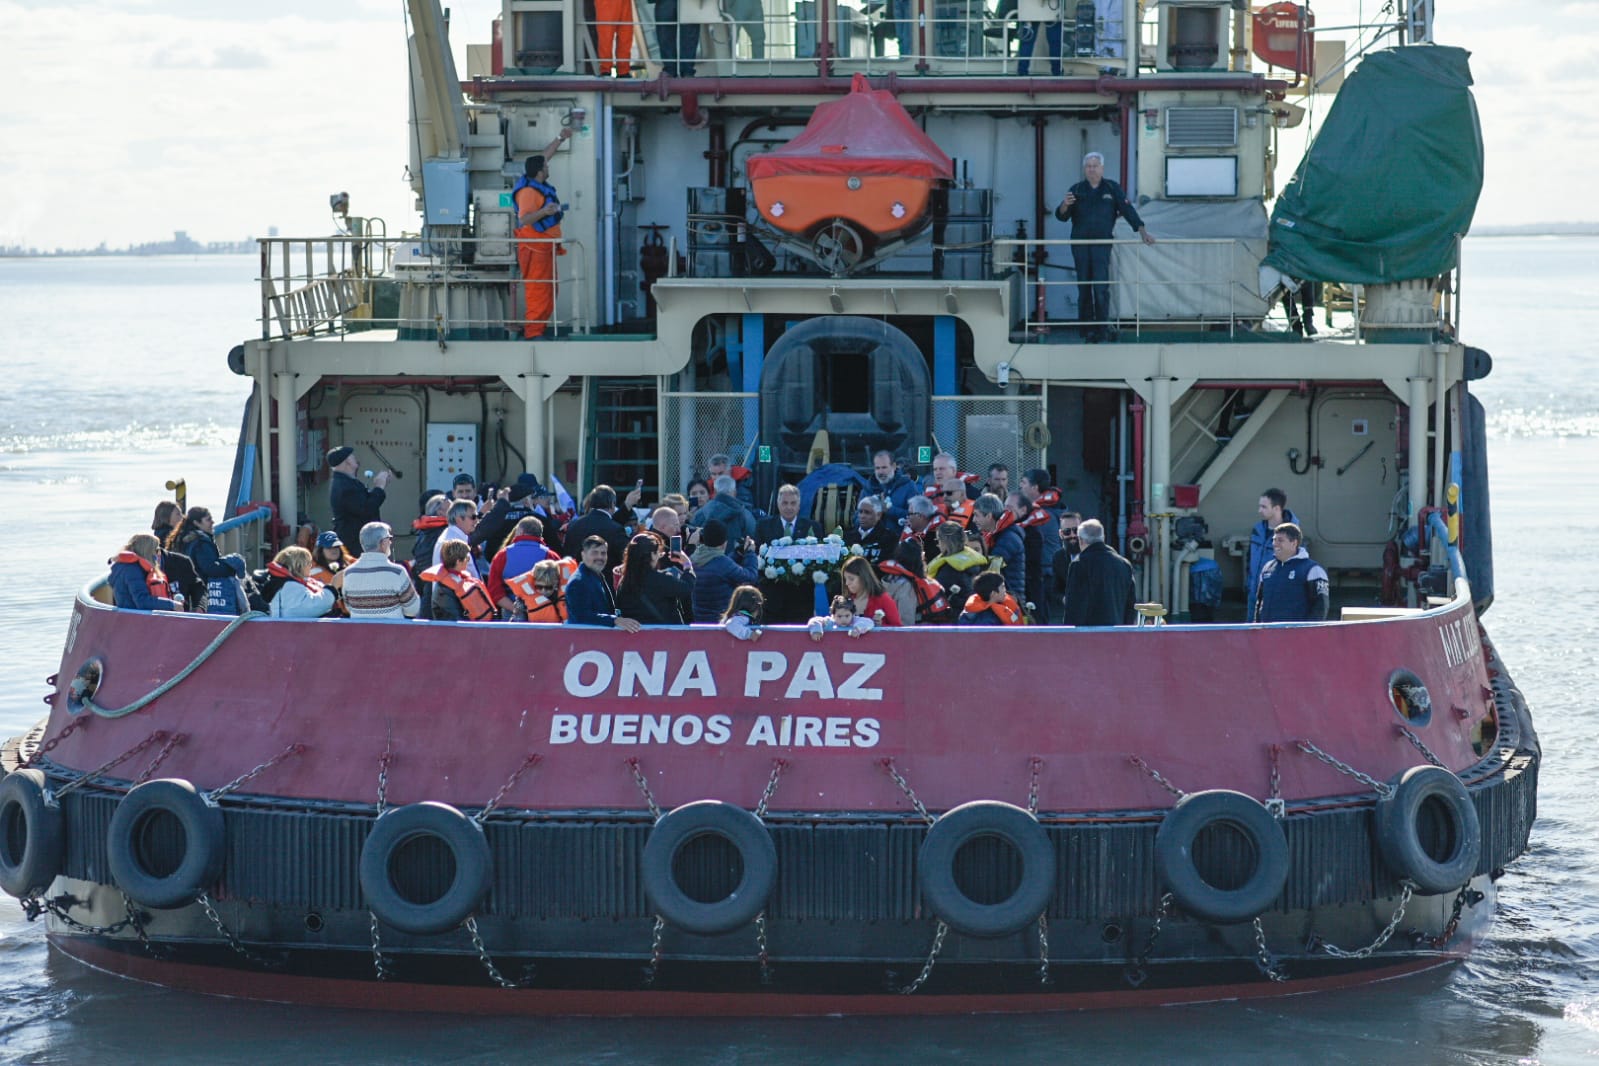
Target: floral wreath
x,y
805,561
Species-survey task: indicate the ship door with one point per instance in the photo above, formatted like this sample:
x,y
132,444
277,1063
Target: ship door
x,y
860,379
1355,435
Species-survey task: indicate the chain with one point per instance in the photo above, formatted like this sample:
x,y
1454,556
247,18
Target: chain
x,y
1406,732
380,965
384,762
130,753
160,757
1137,974
1263,959
761,955
48,746
932,957
1043,951
1336,952
34,907
292,749
233,941
905,787
1276,806
1344,768
654,965
778,766
483,954
1156,774
1466,895
136,919
1036,766
528,763
644,787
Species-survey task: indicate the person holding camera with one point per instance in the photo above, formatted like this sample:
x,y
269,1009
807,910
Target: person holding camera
x,y
354,504
651,596
722,567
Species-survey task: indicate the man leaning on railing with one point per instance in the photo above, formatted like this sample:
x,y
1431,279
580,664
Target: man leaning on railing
x,y
1092,206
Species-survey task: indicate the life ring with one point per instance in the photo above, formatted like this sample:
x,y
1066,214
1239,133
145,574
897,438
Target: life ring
x,y
30,834
954,829
1430,800
387,872
739,828
1174,855
165,844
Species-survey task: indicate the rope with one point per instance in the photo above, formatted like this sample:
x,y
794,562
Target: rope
x,y
171,683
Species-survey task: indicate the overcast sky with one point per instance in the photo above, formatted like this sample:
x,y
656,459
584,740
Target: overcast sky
x,y
124,121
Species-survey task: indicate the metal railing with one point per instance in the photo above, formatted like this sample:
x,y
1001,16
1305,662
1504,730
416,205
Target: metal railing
x,y
246,533
442,288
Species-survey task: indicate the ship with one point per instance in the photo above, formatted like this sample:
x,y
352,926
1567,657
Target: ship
x,y
801,251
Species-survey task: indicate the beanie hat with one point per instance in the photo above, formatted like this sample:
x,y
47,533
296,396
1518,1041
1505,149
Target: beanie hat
x,y
714,533
339,454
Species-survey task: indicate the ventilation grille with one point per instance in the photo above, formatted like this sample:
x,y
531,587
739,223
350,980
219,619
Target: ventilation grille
x,y
1201,127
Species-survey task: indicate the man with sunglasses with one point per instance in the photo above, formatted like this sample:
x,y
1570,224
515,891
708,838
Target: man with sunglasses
x,y
463,519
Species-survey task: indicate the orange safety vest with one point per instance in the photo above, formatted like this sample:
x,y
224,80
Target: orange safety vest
x,y
540,608
469,590
930,601
322,576
1005,610
154,578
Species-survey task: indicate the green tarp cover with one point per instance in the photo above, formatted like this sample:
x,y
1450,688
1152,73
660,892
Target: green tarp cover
x,y
1391,178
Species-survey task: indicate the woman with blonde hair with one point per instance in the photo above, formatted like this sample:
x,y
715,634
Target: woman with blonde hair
x,y
538,594
300,595
137,580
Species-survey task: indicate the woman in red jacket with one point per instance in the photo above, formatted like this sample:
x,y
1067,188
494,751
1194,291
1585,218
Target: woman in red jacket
x,y
862,585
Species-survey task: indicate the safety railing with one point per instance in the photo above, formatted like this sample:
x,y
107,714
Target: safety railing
x,y
445,288
757,37
247,534
1201,283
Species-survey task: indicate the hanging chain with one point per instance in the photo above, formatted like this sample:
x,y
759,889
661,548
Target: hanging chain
x,y
1337,952
385,761
233,941
932,957
905,787
528,763
761,955
1036,767
1157,775
160,757
1043,951
158,735
483,954
1344,768
292,749
1276,806
35,906
380,965
644,787
1137,973
778,766
48,746
1466,896
1408,734
653,967
1263,959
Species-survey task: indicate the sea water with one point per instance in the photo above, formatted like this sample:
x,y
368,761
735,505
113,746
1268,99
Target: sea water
x,y
113,380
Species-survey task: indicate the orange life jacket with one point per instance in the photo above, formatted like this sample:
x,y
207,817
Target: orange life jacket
x,y
1040,513
1005,610
930,601
311,583
540,608
469,590
1006,520
154,578
960,514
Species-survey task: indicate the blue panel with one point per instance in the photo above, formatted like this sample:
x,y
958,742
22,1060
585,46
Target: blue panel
x,y
946,427
754,359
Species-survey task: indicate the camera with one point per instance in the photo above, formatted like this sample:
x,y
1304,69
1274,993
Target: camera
x,y
677,545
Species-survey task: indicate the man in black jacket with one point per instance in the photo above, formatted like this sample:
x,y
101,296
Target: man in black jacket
x,y
876,538
354,505
1099,585
599,519
787,522
1092,206
787,603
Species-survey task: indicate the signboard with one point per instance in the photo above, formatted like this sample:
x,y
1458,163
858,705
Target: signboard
x,y
1284,36
924,455
763,454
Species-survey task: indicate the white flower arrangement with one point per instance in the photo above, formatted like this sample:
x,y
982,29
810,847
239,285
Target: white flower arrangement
x,y
802,561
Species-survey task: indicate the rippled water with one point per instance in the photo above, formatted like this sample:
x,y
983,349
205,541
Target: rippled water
x,y
115,381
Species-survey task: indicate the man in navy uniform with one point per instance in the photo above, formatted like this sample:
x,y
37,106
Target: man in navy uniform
x,y
1273,512
1092,206
1293,586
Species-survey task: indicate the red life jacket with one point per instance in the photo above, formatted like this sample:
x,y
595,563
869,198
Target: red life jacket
x,y
1006,520
312,585
154,579
432,521
469,590
931,604
1005,610
1039,514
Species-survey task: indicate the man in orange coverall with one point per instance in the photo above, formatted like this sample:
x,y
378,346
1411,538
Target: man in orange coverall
x,y
614,23
538,228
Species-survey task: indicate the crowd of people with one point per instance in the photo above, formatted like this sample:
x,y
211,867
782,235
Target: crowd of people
x,y
950,549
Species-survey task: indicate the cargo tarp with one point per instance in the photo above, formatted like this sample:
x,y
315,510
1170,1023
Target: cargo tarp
x,y
1392,177
866,132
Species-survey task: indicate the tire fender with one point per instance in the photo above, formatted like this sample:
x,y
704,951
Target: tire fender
x,y
474,867
31,839
1174,855
959,826
1431,795
135,833
740,828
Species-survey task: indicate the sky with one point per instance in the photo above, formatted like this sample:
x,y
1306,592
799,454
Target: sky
x,y
125,121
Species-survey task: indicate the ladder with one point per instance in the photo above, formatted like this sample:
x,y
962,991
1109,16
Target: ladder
x,y
622,434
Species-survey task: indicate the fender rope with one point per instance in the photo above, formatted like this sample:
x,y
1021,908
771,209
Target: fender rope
x,y
168,685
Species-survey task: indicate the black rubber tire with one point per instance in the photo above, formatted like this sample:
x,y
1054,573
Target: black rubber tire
x,y
739,828
31,838
203,851
474,867
959,826
1398,820
1174,856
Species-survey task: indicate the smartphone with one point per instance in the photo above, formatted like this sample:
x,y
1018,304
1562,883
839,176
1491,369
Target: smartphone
x,y
677,545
